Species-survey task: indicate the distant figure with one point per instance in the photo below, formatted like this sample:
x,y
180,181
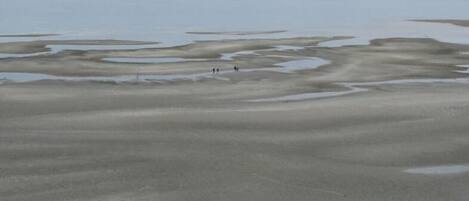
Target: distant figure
x,y
218,70
213,70
235,69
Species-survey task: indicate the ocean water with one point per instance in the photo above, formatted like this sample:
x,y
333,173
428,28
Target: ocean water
x,y
168,21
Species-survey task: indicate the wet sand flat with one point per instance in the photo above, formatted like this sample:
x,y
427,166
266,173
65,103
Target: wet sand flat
x,y
463,23
27,47
385,121
88,141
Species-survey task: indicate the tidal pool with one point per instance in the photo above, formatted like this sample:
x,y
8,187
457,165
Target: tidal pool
x,y
31,77
354,88
153,60
302,64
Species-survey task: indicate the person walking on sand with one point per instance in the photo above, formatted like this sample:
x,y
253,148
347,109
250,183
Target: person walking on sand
x,y
218,70
213,70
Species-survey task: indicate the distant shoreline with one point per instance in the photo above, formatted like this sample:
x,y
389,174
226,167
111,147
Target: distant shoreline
x,y
236,33
26,35
462,23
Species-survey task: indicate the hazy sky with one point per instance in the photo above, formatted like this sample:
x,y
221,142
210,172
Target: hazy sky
x,y
58,14
150,16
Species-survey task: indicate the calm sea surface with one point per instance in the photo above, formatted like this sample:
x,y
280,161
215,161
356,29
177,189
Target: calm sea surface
x,y
168,20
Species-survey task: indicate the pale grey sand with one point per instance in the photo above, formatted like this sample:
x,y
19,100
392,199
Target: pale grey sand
x,y
27,47
201,139
201,56
395,58
463,23
88,141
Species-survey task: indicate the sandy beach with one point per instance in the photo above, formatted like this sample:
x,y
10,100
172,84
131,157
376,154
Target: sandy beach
x,y
380,122
88,141
25,47
463,23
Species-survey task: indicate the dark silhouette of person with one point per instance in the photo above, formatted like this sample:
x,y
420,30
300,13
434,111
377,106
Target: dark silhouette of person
x,y
213,70
218,70
235,68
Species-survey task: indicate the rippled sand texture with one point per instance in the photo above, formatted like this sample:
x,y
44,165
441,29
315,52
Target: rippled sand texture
x,y
380,122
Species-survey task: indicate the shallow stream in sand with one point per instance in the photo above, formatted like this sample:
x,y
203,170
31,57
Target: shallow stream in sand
x,y
153,60
365,20
352,88
439,170
54,49
286,67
